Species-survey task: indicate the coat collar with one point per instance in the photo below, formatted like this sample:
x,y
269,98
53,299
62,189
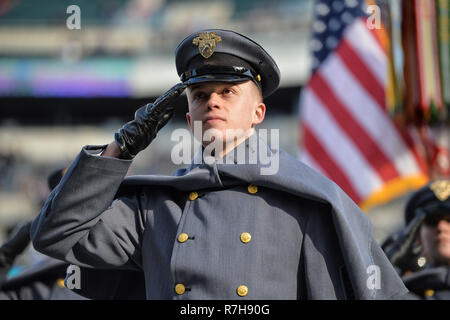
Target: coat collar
x,y
253,150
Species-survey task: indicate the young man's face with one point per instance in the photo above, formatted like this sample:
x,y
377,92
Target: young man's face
x,y
222,106
435,239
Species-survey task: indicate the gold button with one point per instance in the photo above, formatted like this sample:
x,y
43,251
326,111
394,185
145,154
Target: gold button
x,y
60,283
246,237
180,288
242,291
429,293
193,195
183,237
252,188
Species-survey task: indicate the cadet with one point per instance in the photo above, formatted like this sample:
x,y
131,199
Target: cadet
x,y
421,251
216,229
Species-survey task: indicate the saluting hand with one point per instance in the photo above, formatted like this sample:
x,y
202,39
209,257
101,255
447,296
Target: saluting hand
x,y
137,134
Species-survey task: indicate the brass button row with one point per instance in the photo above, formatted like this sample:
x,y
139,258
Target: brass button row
x,y
246,237
251,189
242,290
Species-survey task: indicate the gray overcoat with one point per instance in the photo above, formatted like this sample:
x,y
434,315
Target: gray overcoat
x,y
216,231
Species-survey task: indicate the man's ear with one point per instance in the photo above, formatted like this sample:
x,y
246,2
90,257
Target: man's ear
x,y
259,114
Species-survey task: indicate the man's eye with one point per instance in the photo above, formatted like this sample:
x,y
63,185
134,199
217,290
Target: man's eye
x,y
199,95
227,91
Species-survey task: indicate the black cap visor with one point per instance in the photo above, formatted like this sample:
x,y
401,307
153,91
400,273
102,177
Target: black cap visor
x,y
219,74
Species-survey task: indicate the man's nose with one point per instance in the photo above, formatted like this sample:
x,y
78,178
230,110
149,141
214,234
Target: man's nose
x,y
214,101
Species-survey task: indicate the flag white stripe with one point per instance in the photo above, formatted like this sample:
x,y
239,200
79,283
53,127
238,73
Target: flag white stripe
x,y
369,115
367,49
347,156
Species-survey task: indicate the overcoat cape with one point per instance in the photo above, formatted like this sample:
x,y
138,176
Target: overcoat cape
x,y
370,274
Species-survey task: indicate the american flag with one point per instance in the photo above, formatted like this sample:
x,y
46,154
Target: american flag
x,y
347,134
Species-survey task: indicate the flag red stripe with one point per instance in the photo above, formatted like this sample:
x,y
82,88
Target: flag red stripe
x,y
327,163
368,148
373,87
361,72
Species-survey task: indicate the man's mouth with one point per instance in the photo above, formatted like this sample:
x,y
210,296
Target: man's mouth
x,y
213,119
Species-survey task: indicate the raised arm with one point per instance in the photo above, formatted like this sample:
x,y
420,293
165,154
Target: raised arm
x,y
81,222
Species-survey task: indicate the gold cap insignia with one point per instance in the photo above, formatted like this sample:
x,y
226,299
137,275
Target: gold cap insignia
x,y
206,43
441,189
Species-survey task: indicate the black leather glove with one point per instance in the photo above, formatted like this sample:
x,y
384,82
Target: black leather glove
x,y
137,134
400,249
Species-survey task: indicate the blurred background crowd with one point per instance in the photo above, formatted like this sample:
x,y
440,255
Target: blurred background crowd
x,y
62,88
